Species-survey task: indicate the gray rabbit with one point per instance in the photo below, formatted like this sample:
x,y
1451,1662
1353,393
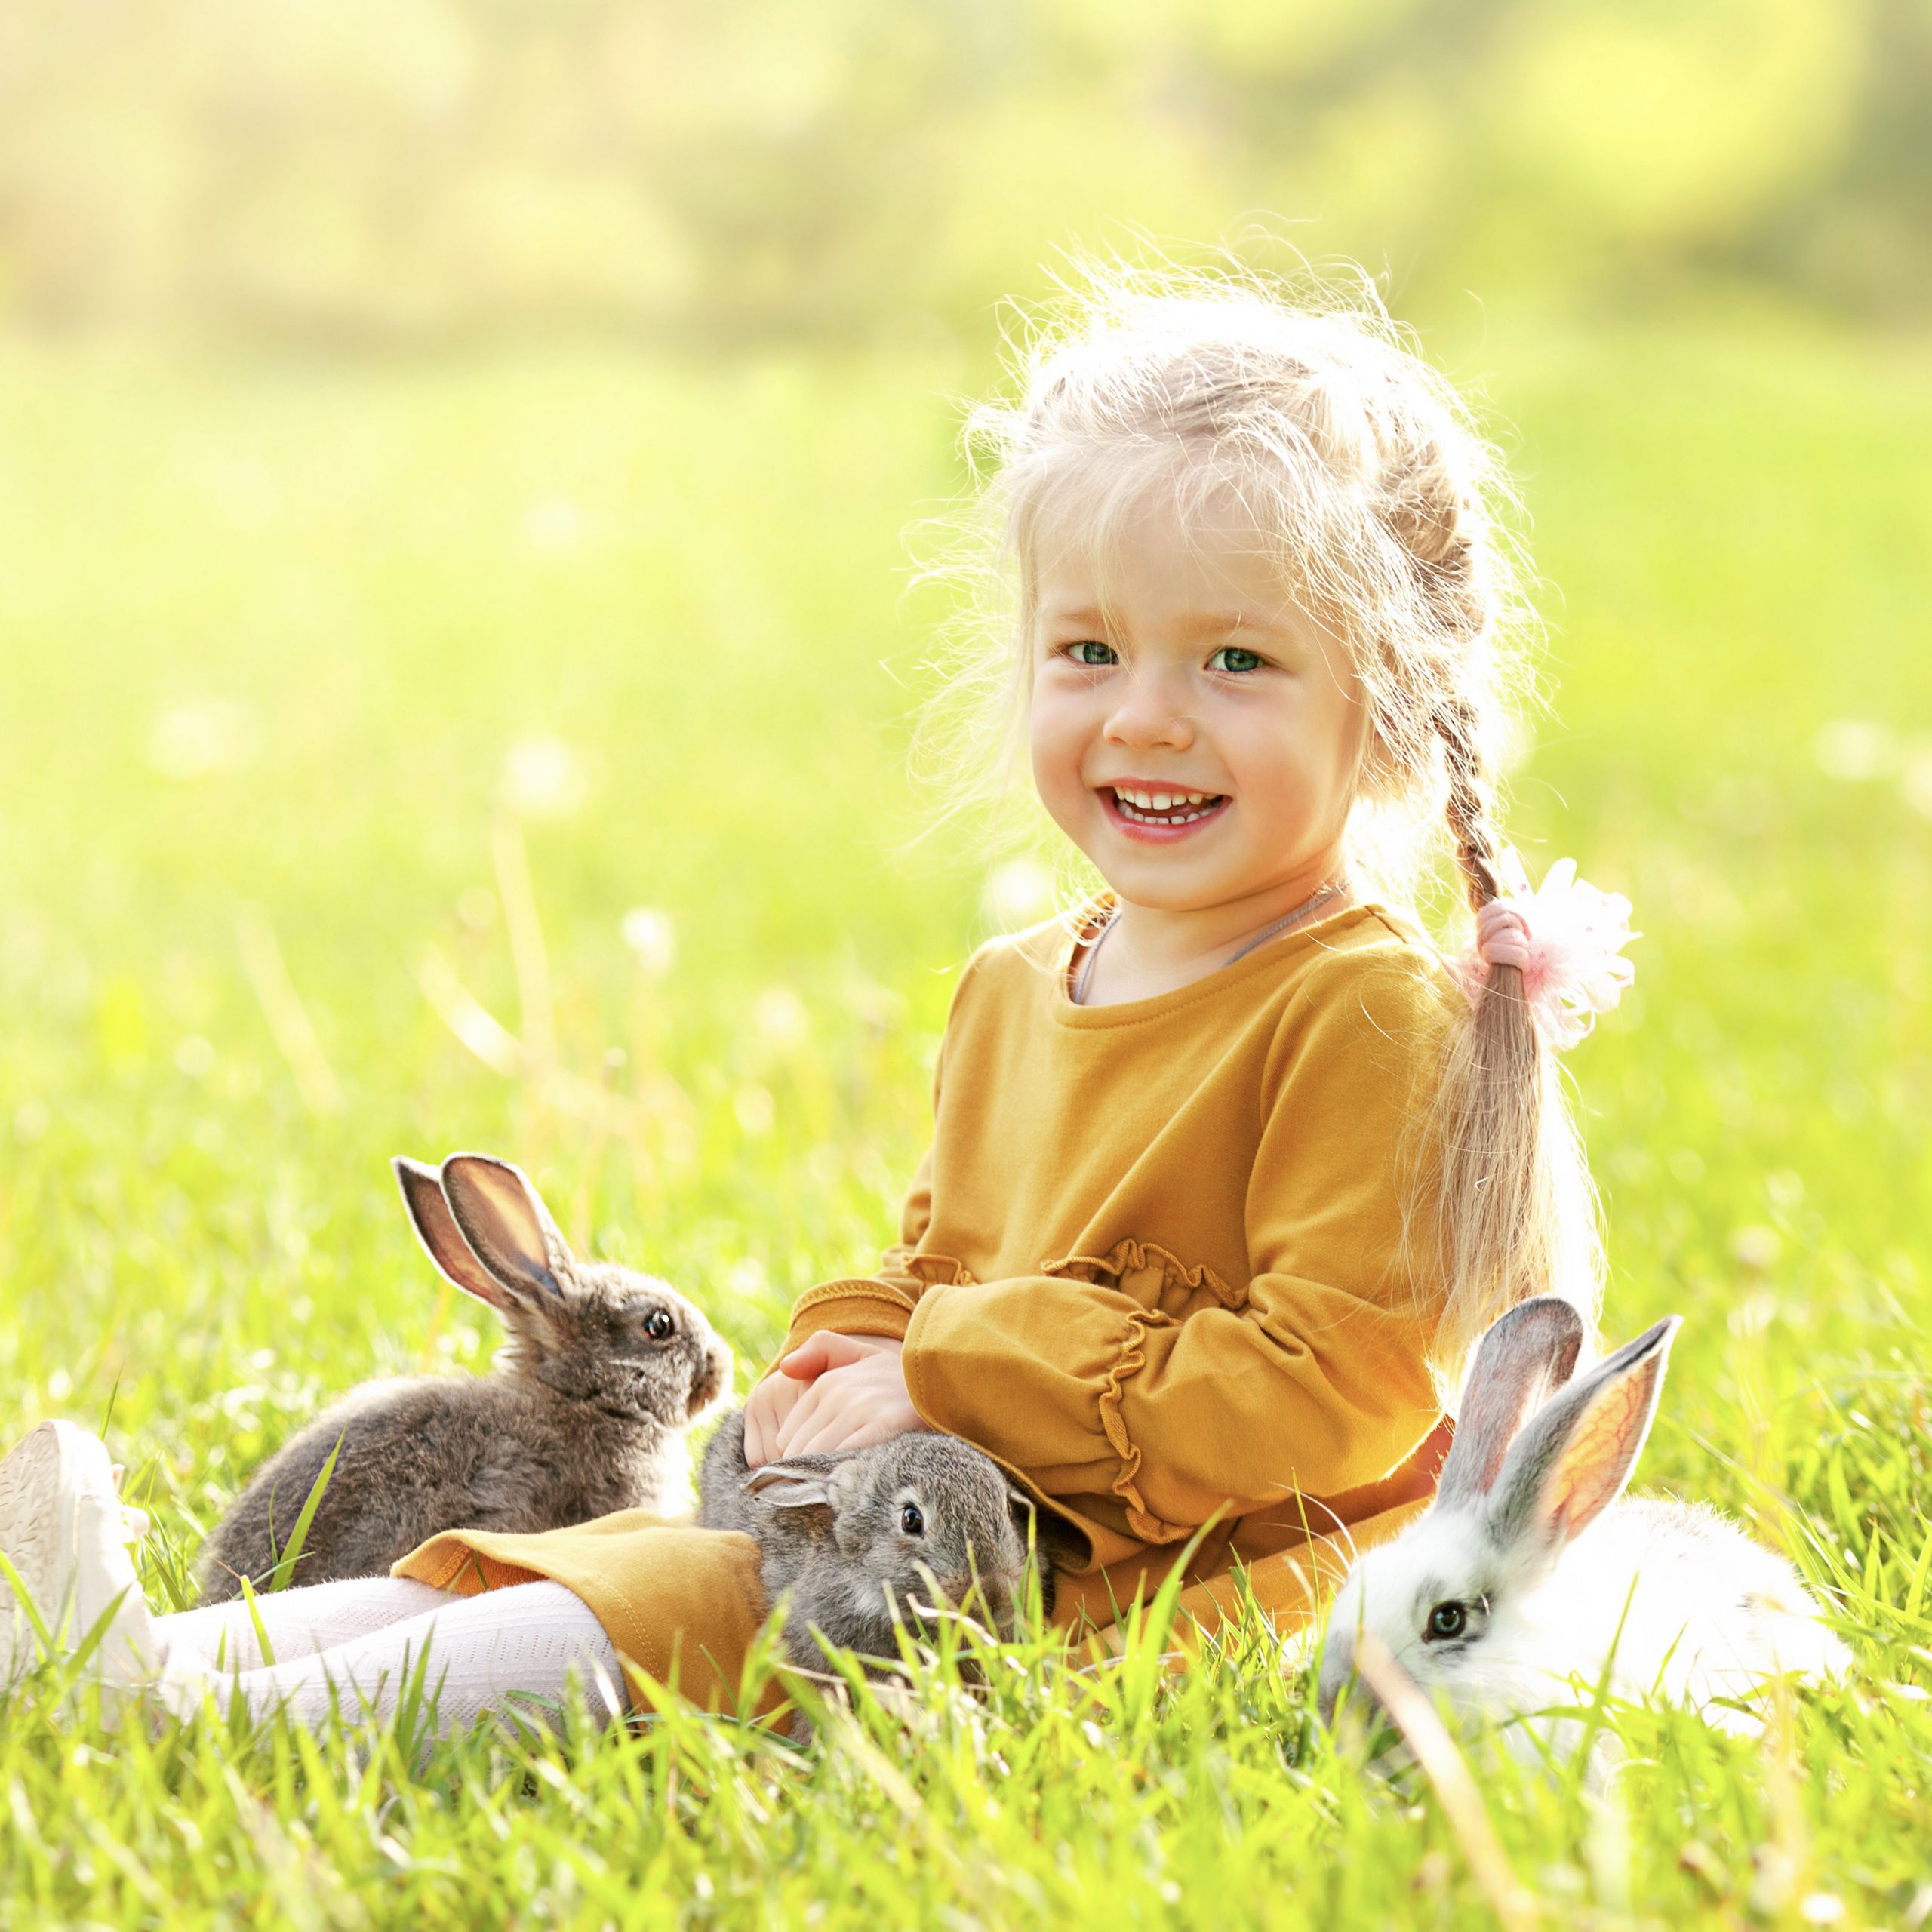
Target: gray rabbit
x,y
601,1373
868,1538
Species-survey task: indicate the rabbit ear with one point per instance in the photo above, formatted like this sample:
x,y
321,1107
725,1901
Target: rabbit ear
x,y
506,1223
799,1485
1525,1357
442,1238
1573,1461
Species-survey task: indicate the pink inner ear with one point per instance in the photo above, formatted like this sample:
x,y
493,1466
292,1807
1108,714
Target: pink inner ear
x,y
504,1223
442,1239
793,1493
1599,1456
1534,1394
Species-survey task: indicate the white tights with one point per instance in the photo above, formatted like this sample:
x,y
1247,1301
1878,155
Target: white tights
x,y
509,1653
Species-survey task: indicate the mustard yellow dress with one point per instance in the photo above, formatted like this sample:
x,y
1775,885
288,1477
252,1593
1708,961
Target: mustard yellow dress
x,y
1155,1264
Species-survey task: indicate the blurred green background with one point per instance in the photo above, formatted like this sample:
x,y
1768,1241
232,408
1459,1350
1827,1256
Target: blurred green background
x,y
458,645
459,648
424,171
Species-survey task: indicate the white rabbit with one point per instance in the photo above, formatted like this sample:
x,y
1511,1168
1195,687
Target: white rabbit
x,y
1528,1575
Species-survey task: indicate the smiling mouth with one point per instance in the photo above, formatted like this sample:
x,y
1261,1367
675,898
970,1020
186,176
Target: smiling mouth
x,y
1163,809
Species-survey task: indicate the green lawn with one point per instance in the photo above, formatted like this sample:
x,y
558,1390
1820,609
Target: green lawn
x,y
271,638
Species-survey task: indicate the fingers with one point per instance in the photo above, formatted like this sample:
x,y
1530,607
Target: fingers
x,y
755,1453
838,1427
765,1408
818,1353
802,1415
807,1362
857,1384
854,1425
844,1432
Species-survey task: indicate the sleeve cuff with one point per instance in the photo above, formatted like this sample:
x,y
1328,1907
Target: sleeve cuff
x,y
862,1307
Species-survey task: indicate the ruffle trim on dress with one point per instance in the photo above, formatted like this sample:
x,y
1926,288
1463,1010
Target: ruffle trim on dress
x,y
1135,1257
1128,1363
936,1271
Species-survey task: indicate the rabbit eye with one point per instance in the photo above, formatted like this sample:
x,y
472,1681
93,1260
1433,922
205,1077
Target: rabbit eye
x,y
912,1519
1445,1621
659,1326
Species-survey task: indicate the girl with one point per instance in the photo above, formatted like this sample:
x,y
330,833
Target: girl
x,y
1230,1169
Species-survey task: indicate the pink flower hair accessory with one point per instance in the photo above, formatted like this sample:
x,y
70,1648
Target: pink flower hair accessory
x,y
1566,938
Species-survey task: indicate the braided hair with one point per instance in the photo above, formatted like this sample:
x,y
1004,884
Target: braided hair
x,y
1388,514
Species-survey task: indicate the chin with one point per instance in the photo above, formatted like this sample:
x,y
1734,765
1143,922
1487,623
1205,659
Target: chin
x,y
1161,883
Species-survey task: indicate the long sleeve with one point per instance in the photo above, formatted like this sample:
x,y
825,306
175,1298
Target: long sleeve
x,y
1310,1380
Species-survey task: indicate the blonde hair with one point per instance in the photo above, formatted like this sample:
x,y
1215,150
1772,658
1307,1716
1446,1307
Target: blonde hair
x,y
1390,517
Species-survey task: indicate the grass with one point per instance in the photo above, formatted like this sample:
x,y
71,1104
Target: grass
x,y
270,638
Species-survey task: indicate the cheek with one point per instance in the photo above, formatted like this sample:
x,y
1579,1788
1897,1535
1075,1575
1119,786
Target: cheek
x,y
1056,738
1302,763
1272,763
1340,720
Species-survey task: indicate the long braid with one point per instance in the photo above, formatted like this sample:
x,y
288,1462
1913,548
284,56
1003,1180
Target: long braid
x,y
1511,1226
1377,499
1470,802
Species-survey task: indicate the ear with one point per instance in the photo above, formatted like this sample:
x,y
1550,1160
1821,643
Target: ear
x,y
791,1485
442,1238
1573,1461
504,1222
1524,1359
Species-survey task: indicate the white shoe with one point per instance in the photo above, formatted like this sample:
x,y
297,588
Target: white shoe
x,y
63,1529
182,1684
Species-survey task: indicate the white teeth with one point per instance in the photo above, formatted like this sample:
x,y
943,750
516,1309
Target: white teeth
x,y
1161,801
1153,808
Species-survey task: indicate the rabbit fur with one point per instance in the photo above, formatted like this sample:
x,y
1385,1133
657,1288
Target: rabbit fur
x,y
601,1372
1527,1572
865,1538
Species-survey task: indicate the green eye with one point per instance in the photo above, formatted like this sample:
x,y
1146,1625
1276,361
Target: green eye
x,y
1446,1621
1091,653
1235,657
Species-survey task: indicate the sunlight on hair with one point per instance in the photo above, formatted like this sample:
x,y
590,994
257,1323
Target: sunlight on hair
x,y
1391,521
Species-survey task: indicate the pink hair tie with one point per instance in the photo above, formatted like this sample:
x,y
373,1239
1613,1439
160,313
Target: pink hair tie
x,y
1567,939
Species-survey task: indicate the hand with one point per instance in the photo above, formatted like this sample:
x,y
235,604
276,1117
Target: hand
x,y
767,1405
857,1396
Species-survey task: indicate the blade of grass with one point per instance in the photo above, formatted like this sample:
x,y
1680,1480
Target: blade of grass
x,y
261,1629
284,1567
1442,1765
1915,1594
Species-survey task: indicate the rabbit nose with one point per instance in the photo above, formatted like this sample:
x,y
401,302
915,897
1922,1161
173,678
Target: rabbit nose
x,y
1339,1675
990,1603
716,1368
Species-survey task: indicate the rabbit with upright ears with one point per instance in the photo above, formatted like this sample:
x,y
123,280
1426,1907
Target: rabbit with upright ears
x,y
866,1539
1527,1574
601,1372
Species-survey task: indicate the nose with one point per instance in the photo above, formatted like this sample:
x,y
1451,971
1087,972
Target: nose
x,y
714,1374
1152,712
992,1598
1339,1674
